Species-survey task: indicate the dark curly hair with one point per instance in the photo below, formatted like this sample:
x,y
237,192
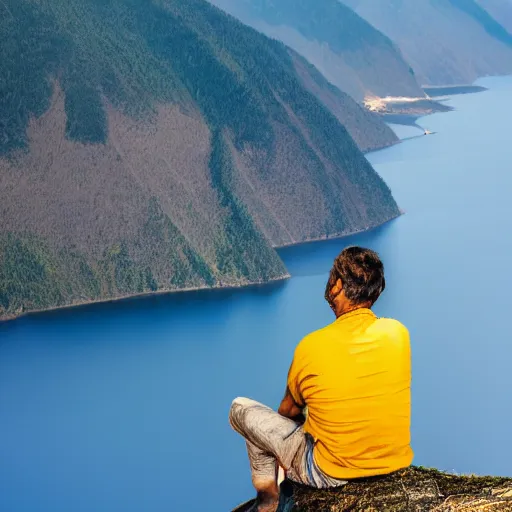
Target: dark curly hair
x,y
362,273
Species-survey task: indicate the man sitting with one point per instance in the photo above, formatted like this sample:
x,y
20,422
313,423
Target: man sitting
x,y
354,377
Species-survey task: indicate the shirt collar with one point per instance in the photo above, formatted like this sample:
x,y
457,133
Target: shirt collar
x,y
356,312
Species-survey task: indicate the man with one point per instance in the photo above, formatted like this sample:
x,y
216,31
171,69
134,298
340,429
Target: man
x,y
354,377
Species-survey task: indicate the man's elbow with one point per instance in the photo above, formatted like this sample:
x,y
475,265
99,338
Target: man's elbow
x,y
289,410
283,410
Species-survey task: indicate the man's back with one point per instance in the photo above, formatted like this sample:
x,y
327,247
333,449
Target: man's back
x,y
354,375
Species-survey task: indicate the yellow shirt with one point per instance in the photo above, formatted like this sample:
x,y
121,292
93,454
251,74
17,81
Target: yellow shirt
x,y
355,376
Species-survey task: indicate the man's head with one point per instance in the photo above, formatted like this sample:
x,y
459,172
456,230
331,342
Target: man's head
x,y
356,280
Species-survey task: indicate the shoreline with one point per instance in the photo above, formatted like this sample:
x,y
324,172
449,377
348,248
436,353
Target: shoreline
x,y
340,236
142,295
12,317
381,147
403,119
441,93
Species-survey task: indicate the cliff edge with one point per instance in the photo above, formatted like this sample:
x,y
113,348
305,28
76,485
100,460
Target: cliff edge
x,y
414,489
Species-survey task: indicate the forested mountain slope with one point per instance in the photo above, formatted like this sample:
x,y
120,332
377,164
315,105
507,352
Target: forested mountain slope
x,y
161,145
368,129
349,52
445,41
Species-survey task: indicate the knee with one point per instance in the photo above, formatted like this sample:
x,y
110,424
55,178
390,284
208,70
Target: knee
x,y
241,402
236,412
236,405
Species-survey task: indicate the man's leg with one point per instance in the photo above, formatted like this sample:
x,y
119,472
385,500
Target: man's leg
x,y
264,478
271,440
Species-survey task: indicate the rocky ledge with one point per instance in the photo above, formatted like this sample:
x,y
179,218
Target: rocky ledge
x,y
414,489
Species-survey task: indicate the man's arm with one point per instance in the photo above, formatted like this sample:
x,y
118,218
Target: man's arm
x,y
290,409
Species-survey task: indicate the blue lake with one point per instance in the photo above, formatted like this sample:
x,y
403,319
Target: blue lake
x,y
123,407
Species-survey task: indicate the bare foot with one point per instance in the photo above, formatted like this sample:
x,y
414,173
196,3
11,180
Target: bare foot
x,y
267,499
266,505
272,507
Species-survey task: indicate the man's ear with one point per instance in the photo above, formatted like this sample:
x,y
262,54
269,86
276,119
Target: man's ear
x,y
338,287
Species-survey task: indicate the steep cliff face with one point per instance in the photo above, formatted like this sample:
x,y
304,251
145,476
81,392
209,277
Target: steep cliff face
x,y
409,490
445,41
351,53
154,146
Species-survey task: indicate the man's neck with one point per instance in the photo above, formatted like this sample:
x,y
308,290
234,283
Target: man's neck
x,y
348,308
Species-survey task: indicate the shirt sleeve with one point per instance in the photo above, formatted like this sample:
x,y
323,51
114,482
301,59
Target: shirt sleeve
x,y
296,374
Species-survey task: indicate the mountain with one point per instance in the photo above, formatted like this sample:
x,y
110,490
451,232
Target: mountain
x,y
349,52
445,41
162,145
368,129
500,10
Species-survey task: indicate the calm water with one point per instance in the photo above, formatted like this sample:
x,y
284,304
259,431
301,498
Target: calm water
x,y
122,407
